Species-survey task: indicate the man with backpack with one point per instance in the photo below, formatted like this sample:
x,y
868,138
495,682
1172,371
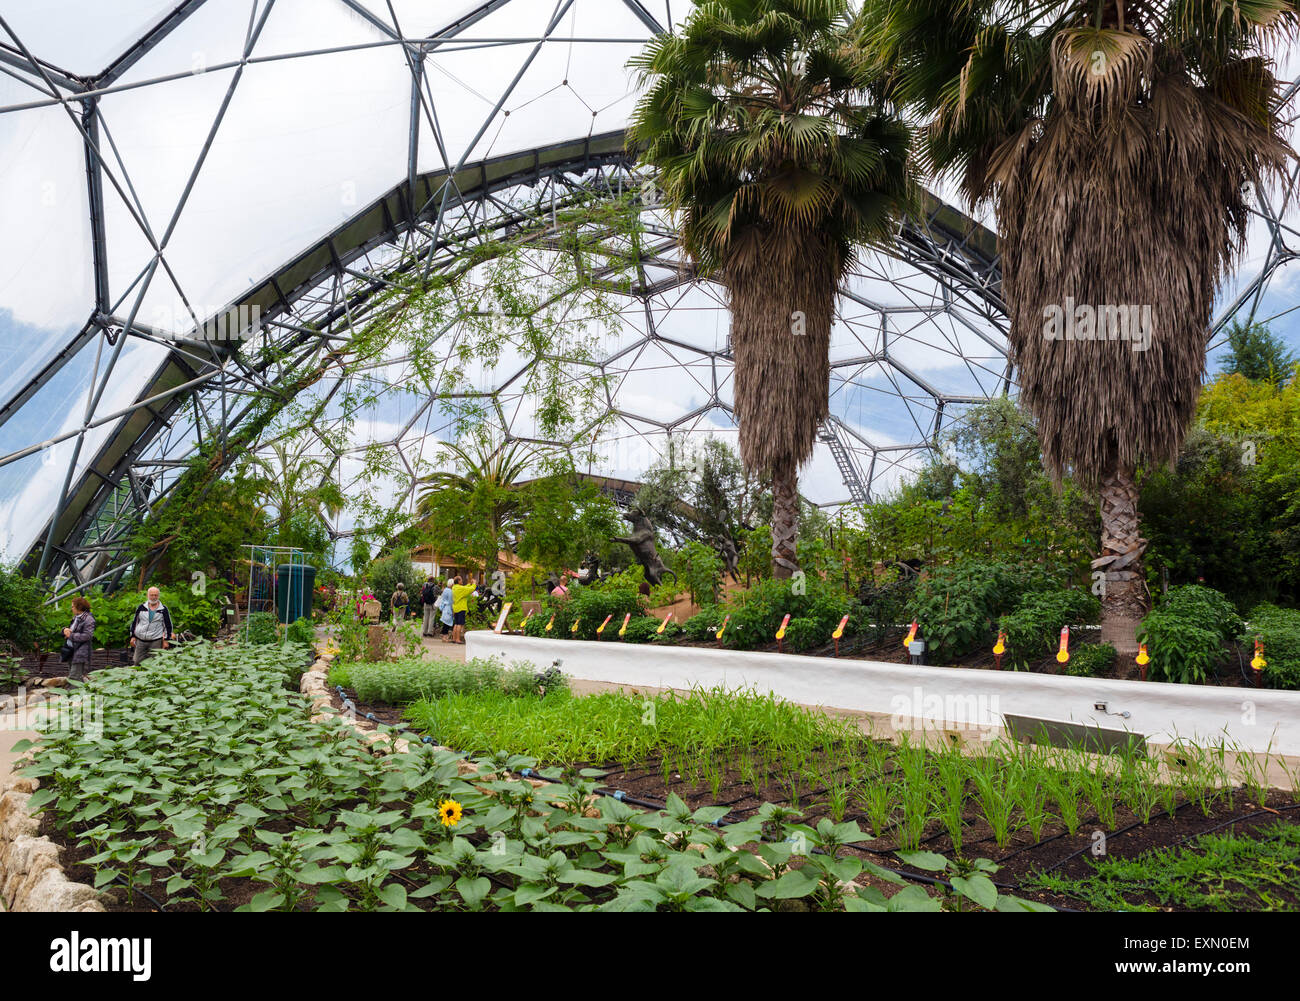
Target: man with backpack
x,y
429,598
151,627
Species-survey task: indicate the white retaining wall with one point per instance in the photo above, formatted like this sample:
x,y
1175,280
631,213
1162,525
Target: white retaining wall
x,y
928,697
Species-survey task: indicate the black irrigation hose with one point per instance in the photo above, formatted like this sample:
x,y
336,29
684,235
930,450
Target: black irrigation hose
x,y
1238,820
132,890
1198,834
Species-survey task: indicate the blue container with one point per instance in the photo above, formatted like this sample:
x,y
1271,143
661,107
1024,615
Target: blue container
x,y
294,584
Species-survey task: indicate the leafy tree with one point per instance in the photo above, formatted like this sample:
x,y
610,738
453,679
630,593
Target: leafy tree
x,y
476,510
384,574
1258,354
298,491
1135,132
205,530
702,493
699,571
23,620
564,519
1237,479
771,144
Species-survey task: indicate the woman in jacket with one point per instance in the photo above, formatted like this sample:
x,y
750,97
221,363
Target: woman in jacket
x,y
445,615
81,635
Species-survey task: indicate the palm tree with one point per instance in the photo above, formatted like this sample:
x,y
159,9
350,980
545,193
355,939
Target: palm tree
x,y
773,150
1116,142
290,483
482,484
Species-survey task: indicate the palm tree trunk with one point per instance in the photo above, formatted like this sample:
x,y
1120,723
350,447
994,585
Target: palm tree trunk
x,y
1124,599
785,517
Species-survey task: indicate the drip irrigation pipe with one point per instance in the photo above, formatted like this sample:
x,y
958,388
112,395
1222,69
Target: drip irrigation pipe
x,y
118,879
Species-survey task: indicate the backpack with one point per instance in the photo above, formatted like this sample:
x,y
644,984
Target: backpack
x,y
426,594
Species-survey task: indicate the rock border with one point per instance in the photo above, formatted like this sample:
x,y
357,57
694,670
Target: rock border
x,y
31,873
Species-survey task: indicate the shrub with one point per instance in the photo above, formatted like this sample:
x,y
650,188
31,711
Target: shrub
x,y
1207,607
1090,659
23,621
301,631
1034,627
645,629
201,614
384,575
1279,628
884,602
756,614
261,628
1181,649
699,570
1185,633
805,633
957,605
701,627
589,606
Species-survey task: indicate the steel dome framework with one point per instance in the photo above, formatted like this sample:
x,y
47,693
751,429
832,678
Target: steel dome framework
x,y
919,332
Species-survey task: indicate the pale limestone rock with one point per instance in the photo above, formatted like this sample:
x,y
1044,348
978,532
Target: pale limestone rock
x,y
53,892
14,817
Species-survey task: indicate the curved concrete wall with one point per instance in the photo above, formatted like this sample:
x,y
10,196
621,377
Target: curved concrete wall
x,y
967,701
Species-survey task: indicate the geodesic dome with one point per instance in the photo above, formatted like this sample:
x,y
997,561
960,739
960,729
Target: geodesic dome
x,y
274,164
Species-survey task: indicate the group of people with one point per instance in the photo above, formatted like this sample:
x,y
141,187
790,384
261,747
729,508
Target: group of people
x,y
445,607
150,630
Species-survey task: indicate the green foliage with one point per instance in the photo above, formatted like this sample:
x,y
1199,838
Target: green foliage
x,y
645,629
700,493
201,614
11,672
1228,872
260,629
699,571
203,524
700,627
564,518
307,811
588,606
414,678
755,553
805,633
617,726
990,499
1034,628
1090,660
1207,606
1279,628
1258,354
957,606
884,601
386,573
23,620
1237,478
1186,632
301,631
756,614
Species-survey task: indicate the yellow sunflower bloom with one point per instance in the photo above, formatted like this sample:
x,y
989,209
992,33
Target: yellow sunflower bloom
x,y
449,812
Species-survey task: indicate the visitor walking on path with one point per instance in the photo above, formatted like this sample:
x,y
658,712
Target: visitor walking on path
x,y
151,627
400,603
80,634
460,606
446,600
429,601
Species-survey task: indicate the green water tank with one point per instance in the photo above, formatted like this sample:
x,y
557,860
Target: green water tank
x,y
294,584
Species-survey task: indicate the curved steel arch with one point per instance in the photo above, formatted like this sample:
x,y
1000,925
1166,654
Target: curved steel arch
x,y
121,483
